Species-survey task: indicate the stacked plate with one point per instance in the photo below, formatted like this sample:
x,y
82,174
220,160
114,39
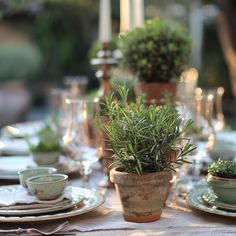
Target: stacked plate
x,y
202,198
79,201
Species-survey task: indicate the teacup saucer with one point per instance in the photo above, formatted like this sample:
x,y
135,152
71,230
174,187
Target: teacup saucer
x,y
211,199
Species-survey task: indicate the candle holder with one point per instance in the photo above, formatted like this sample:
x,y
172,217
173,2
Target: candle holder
x,y
105,60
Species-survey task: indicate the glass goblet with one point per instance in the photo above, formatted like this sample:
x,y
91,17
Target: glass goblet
x,y
81,137
204,133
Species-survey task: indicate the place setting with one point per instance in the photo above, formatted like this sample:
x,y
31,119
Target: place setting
x,y
45,196
217,194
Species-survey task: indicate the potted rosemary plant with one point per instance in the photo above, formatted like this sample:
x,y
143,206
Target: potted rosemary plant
x,y
146,141
157,54
222,179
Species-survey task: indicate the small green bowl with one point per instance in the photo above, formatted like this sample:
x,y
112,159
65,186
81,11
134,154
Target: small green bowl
x,y
47,187
45,158
28,173
224,188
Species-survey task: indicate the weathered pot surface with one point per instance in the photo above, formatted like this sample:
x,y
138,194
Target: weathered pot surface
x,y
156,91
224,188
142,196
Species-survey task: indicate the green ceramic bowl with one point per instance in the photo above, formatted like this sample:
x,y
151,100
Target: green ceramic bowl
x,y
224,188
47,187
28,173
45,158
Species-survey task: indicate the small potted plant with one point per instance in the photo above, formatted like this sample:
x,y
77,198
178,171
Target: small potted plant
x,y
47,150
222,179
146,141
157,53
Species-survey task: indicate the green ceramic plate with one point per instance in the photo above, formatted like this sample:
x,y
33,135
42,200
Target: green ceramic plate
x,y
194,198
91,201
211,199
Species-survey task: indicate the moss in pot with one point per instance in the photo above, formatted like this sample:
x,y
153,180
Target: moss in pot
x,y
222,180
144,141
45,152
157,54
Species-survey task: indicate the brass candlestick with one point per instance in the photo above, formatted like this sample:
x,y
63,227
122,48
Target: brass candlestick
x,y
104,60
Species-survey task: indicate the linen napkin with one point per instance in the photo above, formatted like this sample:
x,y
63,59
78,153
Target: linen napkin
x,y
20,196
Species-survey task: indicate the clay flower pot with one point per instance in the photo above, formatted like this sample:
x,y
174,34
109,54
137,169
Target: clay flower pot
x,y
155,91
142,196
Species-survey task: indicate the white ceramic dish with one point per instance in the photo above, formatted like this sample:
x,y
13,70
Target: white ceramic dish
x,y
91,201
19,130
66,166
33,209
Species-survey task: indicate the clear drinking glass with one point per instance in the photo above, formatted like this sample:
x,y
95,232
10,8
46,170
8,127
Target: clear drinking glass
x,y
81,137
59,113
203,133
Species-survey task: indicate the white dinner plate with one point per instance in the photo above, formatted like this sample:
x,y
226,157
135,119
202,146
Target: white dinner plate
x,y
32,209
65,166
20,130
91,201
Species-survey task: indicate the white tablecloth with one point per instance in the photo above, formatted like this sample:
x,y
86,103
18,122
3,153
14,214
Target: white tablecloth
x,y
107,220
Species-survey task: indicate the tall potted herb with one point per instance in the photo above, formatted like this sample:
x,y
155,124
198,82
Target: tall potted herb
x,y
146,141
157,54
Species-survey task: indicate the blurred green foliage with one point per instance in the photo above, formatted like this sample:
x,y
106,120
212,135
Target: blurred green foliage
x,y
19,61
62,31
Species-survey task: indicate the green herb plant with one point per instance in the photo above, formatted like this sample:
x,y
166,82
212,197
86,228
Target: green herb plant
x,y
156,52
223,168
142,136
46,132
45,146
47,141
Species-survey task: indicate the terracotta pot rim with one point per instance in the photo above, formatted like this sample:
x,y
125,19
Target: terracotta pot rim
x,y
145,173
125,178
157,82
216,178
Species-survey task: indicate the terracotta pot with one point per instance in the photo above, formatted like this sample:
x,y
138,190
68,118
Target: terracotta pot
x,y
155,92
142,196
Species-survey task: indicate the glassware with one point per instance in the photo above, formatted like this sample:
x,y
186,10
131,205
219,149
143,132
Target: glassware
x,y
81,137
59,114
218,116
77,84
203,133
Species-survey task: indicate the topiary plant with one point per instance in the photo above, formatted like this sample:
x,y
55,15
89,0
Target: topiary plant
x,y
143,137
156,52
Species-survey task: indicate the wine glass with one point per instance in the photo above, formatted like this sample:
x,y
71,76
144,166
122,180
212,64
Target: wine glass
x,y
203,133
81,137
59,114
